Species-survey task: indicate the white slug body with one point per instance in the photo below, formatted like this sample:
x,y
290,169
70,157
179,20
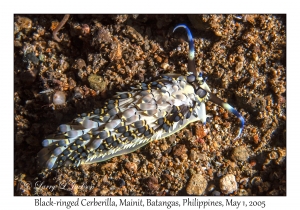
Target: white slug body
x,y
127,122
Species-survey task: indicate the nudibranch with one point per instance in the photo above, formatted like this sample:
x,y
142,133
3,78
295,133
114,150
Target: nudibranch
x,y
130,120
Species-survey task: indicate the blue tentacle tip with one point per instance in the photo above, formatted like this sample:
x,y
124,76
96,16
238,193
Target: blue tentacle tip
x,y
190,40
190,37
242,121
181,26
237,114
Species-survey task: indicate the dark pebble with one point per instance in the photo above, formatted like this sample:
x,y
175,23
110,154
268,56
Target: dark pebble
x,y
121,183
31,57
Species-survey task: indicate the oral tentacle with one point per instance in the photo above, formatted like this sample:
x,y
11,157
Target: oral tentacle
x,y
191,61
213,98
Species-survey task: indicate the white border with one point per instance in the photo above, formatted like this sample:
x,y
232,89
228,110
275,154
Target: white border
x,y
154,6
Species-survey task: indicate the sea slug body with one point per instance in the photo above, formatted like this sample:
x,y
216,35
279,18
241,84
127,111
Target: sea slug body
x,y
132,119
